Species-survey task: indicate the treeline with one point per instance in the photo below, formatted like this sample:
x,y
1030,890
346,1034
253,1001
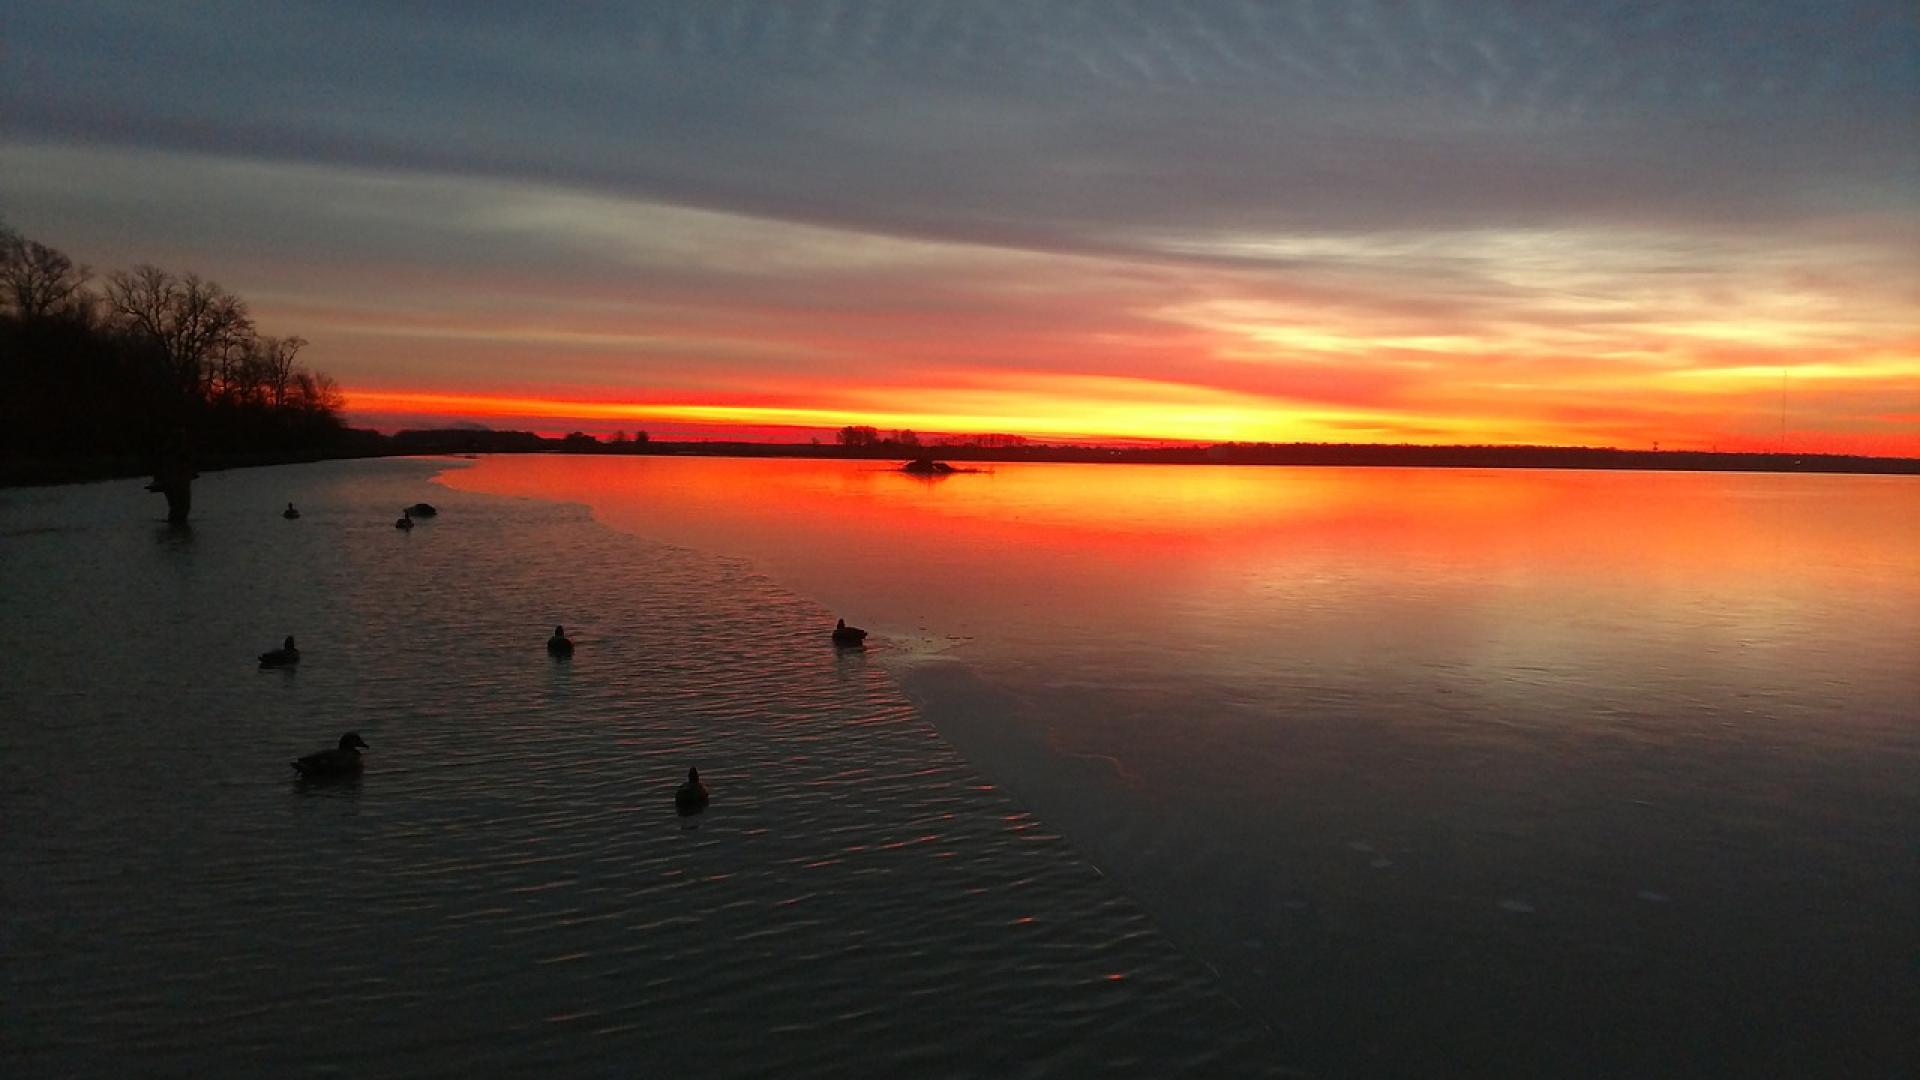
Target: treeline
x,y
1534,457
1005,449
478,440
104,375
861,436
1380,454
1013,448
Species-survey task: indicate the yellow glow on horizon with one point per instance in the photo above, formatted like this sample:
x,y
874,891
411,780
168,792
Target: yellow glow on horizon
x,y
1185,414
1086,419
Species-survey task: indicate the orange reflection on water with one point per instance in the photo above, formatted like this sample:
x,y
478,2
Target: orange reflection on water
x,y
1711,523
1257,549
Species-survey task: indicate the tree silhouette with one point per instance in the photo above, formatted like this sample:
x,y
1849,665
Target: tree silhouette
x,y
38,282
151,362
195,323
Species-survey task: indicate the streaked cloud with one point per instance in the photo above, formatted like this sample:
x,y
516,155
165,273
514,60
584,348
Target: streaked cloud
x,y
1486,222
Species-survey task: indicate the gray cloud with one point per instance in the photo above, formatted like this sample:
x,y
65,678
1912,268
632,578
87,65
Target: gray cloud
x,y
1078,126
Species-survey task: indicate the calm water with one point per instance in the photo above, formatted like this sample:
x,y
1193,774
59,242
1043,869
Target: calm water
x,y
1327,771
1521,773
507,890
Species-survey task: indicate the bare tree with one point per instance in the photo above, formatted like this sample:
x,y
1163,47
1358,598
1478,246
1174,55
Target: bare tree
x,y
37,281
275,357
312,391
109,368
195,323
858,435
326,397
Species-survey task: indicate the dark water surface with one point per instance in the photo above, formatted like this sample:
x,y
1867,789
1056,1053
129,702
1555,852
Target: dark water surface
x,y
507,890
1444,772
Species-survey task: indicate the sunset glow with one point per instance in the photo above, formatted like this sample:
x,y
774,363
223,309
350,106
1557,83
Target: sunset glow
x,y
1629,225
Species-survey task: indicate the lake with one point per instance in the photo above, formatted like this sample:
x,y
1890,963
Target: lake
x,y
1147,770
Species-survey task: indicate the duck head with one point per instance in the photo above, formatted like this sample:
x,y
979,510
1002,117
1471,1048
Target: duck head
x,y
288,646
352,741
693,776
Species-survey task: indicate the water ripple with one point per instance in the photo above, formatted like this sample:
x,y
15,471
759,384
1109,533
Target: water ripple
x,y
508,888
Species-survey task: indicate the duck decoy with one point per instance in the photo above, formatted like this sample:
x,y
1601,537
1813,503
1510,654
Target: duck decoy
x,y
692,796
405,522
558,644
284,656
289,513
848,636
342,760
421,510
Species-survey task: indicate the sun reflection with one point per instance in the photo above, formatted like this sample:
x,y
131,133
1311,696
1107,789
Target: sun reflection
x,y
1135,514
1332,560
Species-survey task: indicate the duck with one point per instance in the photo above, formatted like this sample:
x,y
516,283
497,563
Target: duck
x,y
421,510
692,796
289,513
405,522
849,636
558,644
284,656
342,760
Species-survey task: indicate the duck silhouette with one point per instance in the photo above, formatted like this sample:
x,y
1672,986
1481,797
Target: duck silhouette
x,y
848,636
692,796
342,760
289,513
421,510
284,656
406,520
559,644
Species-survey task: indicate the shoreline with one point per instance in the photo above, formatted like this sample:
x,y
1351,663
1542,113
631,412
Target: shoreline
x,y
45,472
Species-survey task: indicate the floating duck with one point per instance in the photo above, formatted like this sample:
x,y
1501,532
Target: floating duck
x,y
849,636
692,796
342,760
421,510
284,656
405,522
289,513
558,644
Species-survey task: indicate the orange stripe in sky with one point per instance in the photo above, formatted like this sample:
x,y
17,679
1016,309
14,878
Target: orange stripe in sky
x,y
1200,417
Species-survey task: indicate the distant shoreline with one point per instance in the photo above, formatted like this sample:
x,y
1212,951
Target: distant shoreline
x,y
38,472
1336,455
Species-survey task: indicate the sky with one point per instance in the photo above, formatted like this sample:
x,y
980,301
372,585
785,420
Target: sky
x,y
1692,224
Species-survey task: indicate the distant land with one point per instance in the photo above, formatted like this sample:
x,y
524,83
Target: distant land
x,y
360,443
468,440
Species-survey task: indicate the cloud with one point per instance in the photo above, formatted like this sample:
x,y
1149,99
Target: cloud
x,y
1312,209
1032,124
